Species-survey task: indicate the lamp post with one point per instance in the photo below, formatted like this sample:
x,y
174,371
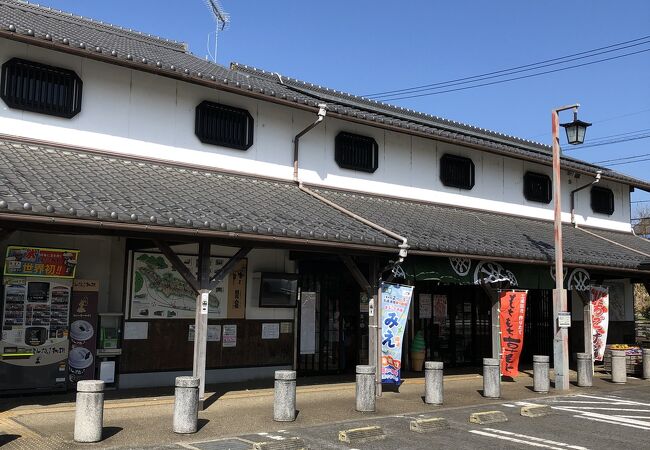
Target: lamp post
x,y
575,135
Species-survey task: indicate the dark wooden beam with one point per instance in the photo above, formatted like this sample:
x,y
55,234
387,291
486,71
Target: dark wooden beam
x,y
203,276
356,274
6,233
228,267
177,264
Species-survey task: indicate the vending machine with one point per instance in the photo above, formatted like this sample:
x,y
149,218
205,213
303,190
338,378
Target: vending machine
x,y
37,285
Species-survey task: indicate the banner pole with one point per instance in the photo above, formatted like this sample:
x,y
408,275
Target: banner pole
x,y
378,363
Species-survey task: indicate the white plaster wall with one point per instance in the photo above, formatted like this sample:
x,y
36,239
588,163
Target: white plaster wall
x,y
136,113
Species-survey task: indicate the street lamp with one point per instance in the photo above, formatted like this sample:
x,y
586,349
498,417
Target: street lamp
x,y
575,132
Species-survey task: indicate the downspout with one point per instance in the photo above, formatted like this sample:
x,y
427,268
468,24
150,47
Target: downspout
x,y
322,111
573,201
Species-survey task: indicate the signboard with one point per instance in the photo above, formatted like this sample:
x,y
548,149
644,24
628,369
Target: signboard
x,y
564,319
40,262
83,330
513,313
229,336
395,303
307,323
136,330
425,306
439,309
214,333
158,291
599,309
270,331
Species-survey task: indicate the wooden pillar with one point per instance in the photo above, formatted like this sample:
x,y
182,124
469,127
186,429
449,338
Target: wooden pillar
x,y
372,320
201,318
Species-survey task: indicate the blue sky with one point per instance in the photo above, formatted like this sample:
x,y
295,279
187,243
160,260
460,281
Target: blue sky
x,y
363,47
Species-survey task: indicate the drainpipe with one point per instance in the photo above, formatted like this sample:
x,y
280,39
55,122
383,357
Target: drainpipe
x,y
322,111
573,192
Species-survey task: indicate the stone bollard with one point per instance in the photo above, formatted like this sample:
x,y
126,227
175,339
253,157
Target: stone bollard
x,y
89,411
186,405
585,370
284,401
646,363
433,372
619,370
491,378
541,381
365,389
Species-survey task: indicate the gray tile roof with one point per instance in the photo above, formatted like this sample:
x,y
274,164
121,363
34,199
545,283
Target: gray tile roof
x,y
55,182
66,32
445,229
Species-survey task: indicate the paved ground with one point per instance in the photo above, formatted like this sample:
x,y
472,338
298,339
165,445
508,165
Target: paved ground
x,y
324,409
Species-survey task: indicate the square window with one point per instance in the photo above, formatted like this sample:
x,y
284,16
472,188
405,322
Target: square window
x,y
537,187
602,200
223,125
457,171
352,151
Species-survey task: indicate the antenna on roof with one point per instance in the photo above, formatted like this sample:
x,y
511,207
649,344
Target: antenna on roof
x,y
222,19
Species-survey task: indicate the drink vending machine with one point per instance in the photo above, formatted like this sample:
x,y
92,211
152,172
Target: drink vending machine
x,y
37,285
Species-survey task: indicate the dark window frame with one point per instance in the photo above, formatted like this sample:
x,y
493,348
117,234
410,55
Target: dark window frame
x,y
530,194
595,201
345,141
452,181
207,112
41,88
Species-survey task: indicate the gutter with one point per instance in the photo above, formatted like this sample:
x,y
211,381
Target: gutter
x,y
573,199
322,112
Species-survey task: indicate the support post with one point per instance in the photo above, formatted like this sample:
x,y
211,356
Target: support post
x,y
585,369
560,342
378,363
201,318
372,321
365,395
186,405
586,315
540,373
89,411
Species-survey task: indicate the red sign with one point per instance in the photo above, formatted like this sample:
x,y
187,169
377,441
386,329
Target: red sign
x,y
513,313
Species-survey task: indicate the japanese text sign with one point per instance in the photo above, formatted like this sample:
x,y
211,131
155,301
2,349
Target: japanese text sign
x,y
40,262
395,302
512,316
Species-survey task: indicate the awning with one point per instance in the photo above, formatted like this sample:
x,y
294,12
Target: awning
x,y
73,187
480,235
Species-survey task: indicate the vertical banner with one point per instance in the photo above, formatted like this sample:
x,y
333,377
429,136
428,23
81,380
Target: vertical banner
x,y
83,330
513,314
395,302
599,308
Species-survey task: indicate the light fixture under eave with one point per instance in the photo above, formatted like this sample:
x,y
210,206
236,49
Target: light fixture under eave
x,y
576,130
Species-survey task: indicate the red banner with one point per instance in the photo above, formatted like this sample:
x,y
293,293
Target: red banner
x,y
513,313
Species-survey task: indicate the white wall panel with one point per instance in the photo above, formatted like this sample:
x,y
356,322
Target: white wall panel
x,y
141,114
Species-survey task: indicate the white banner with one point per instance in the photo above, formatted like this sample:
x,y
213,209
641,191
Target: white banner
x,y
599,309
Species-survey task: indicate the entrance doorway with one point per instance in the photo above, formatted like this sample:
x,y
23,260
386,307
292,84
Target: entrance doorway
x,y
339,327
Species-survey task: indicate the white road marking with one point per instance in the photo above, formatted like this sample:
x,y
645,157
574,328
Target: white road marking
x,y
598,408
635,417
535,439
612,422
508,405
618,400
506,438
617,419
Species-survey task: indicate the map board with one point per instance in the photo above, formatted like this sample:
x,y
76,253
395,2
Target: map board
x,y
159,292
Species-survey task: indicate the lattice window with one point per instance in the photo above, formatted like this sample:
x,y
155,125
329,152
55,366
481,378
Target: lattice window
x,y
352,151
223,125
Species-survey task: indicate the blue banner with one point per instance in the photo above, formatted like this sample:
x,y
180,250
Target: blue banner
x,y
395,302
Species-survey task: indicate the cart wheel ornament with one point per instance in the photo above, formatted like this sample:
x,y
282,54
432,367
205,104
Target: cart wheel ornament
x,y
579,280
492,272
460,265
564,271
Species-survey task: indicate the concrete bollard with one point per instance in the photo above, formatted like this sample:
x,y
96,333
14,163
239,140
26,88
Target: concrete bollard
x,y
646,363
619,370
365,389
186,405
541,382
89,411
491,378
284,401
433,372
585,370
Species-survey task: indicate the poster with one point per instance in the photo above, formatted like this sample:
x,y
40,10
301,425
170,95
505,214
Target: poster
x,y
307,323
599,309
270,331
236,290
513,314
213,335
439,309
395,302
158,291
136,330
40,262
425,306
83,330
229,336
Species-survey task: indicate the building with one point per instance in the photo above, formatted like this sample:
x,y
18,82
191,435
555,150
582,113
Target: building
x,y
126,148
